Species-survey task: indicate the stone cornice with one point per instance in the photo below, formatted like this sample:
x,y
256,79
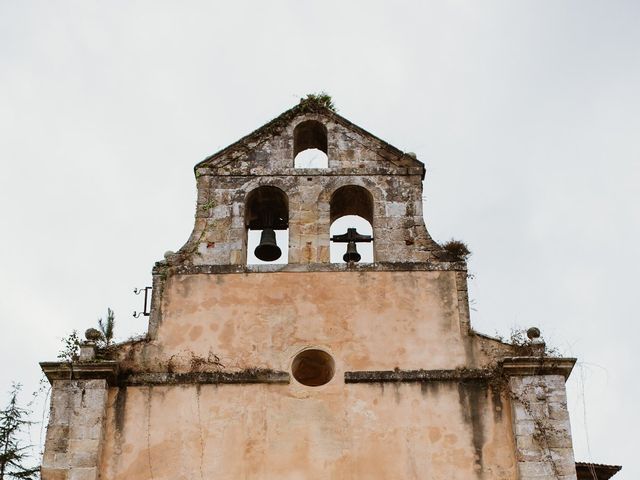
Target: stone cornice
x,y
162,267
204,378
107,370
510,366
528,366
311,172
384,376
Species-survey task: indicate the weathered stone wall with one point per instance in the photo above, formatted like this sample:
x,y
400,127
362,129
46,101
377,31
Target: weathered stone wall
x,y
73,445
393,179
541,427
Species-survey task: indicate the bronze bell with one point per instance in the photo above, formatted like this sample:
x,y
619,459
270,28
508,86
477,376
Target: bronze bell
x,y
268,249
352,254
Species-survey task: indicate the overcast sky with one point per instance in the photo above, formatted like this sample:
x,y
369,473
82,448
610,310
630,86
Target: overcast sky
x,y
526,114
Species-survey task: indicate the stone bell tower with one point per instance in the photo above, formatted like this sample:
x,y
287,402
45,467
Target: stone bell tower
x,y
267,358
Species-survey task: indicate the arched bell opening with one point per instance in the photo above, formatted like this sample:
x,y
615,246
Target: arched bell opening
x,y
310,145
351,230
267,225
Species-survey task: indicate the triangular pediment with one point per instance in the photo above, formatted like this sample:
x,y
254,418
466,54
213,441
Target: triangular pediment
x,y
252,154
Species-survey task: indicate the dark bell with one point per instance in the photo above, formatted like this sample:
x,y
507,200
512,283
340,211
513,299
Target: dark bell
x,y
352,254
268,250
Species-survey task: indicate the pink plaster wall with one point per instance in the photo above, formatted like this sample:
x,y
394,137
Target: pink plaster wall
x,y
373,321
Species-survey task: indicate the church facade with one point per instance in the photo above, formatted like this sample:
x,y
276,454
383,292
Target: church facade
x,y
267,358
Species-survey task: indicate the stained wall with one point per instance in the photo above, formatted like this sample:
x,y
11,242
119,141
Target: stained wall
x,y
444,431
374,320
378,320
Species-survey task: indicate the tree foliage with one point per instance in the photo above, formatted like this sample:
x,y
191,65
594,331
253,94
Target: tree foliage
x,y
70,347
106,328
13,453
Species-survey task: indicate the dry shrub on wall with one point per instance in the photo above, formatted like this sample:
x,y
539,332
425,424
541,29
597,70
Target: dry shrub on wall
x,y
457,249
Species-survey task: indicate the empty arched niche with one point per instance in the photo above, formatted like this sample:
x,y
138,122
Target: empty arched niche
x,y
267,224
310,145
351,207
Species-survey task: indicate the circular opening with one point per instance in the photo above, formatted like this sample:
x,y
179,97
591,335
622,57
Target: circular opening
x,y
313,367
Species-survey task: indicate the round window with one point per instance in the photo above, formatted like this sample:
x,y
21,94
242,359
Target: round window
x,y
313,367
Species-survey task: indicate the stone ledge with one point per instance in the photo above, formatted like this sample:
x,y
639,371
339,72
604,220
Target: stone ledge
x,y
311,172
382,376
529,366
103,370
312,267
204,378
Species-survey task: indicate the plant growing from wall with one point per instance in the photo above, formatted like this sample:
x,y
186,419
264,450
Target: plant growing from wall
x,y
106,328
70,347
522,345
457,249
313,101
13,453
71,343
207,206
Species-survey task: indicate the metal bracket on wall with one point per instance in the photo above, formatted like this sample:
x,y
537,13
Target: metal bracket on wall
x,y
145,311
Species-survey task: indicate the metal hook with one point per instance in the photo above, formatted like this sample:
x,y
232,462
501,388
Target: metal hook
x,y
145,311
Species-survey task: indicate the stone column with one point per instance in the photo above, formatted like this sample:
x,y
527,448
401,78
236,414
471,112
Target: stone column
x,y
542,432
76,424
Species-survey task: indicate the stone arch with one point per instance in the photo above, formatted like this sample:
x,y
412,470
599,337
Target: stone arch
x,y
266,210
351,200
351,207
310,145
377,196
266,206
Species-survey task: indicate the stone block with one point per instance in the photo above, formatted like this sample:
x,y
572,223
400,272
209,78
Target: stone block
x,y
221,211
54,474
58,437
536,470
396,209
83,474
85,454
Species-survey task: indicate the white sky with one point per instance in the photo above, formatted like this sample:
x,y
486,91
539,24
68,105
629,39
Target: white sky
x,y
526,113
